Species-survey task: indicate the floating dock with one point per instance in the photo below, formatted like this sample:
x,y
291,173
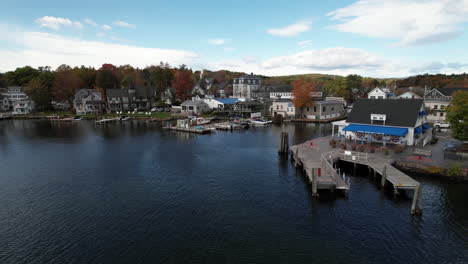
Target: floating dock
x,y
192,130
318,161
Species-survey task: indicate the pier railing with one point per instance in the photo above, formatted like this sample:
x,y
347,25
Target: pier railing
x,y
352,155
325,161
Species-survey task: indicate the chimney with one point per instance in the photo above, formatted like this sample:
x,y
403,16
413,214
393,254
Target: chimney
x,y
251,73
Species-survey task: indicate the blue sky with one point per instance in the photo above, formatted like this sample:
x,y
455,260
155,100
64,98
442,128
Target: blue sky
x,y
378,38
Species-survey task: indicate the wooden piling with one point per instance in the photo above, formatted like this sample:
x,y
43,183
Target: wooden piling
x,y
284,144
384,177
314,184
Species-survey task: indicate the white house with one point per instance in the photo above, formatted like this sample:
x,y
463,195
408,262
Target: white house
x,y
408,95
4,103
15,93
380,93
398,121
23,107
194,107
437,100
318,110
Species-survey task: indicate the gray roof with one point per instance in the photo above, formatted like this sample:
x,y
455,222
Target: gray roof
x,y
451,91
278,88
329,102
117,92
193,103
399,112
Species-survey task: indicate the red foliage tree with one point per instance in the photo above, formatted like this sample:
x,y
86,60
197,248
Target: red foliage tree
x,y
183,84
302,92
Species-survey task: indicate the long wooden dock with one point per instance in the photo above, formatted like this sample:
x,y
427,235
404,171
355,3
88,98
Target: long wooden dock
x,y
192,130
318,161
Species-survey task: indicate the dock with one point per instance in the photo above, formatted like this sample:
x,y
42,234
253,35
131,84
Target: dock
x,y
192,130
318,160
108,120
5,116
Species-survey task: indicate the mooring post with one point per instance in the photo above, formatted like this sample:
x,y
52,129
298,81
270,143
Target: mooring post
x,y
354,168
384,177
395,192
296,157
284,143
314,184
415,199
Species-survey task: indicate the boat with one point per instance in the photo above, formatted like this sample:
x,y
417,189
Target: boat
x,y
77,118
260,122
125,118
202,121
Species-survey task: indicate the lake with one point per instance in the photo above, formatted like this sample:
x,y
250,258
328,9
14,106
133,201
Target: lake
x,y
134,193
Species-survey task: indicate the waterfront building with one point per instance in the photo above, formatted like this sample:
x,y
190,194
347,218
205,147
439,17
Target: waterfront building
x,y
15,93
4,103
118,100
398,121
247,86
280,91
436,102
23,107
380,93
194,107
317,110
88,101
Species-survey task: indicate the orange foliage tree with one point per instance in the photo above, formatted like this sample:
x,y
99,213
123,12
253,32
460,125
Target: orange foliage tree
x,y
302,92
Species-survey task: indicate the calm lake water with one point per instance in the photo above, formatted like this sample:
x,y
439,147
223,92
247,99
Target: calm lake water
x,y
133,193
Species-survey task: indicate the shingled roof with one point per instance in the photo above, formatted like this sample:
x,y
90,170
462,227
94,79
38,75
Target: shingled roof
x,y
399,112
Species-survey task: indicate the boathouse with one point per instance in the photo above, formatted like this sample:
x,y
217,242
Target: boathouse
x,y
398,121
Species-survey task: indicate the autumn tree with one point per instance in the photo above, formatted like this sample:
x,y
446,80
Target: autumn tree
x,y
457,115
183,83
302,92
65,85
106,78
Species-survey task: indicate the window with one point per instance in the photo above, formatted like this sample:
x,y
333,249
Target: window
x,y
372,97
281,107
442,107
436,106
277,107
380,97
435,114
307,109
315,109
442,114
333,108
190,107
324,109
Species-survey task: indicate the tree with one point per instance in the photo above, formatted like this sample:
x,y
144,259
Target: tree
x,y
183,83
21,76
39,88
302,92
106,78
457,115
65,85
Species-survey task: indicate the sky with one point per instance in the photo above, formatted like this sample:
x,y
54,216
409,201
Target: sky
x,y
374,38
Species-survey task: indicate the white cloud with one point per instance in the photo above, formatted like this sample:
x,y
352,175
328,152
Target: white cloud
x,y
228,49
39,49
106,27
123,24
291,30
304,43
217,41
90,22
56,23
409,22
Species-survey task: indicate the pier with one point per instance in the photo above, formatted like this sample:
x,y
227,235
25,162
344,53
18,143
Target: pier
x,y
318,160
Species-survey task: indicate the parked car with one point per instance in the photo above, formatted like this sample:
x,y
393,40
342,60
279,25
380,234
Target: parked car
x,y
441,125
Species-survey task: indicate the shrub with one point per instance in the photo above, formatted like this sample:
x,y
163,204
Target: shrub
x,y
435,170
454,170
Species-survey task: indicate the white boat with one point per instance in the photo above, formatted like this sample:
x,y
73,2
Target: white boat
x,y
260,122
202,121
125,118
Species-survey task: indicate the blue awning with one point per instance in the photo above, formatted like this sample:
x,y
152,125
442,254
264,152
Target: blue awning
x,y
418,130
392,131
425,126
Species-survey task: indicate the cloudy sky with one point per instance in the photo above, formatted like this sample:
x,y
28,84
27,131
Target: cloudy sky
x,y
377,38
